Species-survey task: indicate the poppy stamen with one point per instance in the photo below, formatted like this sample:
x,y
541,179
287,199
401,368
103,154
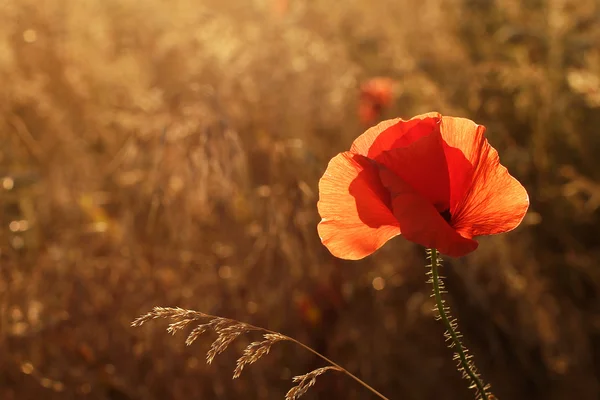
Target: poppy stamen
x,y
446,215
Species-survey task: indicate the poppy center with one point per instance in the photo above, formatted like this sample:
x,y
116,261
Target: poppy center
x,y
446,215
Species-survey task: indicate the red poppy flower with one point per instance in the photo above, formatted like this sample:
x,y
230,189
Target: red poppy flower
x,y
435,180
376,95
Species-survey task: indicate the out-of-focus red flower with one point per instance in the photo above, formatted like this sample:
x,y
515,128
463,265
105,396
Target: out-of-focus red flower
x,y
435,180
376,95
279,8
323,301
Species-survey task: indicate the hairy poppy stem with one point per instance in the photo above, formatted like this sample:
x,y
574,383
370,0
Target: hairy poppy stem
x,y
461,355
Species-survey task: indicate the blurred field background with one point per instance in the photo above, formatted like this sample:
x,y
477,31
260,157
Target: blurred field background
x,y
168,152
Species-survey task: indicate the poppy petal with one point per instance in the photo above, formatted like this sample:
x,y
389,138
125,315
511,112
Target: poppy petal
x,y
353,204
493,202
394,133
420,222
463,140
422,165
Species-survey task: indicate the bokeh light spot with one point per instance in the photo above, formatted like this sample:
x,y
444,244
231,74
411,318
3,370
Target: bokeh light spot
x,y
29,36
58,386
225,272
8,183
27,368
378,283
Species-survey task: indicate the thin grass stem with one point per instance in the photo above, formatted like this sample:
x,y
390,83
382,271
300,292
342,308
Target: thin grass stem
x,y
341,369
357,379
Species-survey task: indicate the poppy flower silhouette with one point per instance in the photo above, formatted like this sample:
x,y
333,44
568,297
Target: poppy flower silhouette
x,y
433,179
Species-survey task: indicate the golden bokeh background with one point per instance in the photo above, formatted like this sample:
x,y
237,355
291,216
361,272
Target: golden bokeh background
x,y
167,153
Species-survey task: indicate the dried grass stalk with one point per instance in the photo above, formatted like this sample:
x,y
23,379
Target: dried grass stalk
x,y
255,351
227,331
306,381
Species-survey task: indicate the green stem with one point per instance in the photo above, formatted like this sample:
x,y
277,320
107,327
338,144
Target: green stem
x,y
465,361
